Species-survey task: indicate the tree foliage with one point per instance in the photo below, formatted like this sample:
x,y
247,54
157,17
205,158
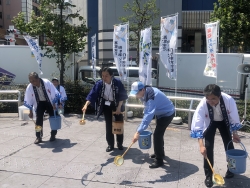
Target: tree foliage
x,y
66,38
142,15
234,17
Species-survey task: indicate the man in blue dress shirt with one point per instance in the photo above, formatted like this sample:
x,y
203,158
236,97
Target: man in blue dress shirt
x,y
156,103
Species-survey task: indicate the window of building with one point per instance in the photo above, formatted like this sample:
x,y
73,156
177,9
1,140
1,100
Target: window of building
x,y
0,2
8,16
7,2
1,14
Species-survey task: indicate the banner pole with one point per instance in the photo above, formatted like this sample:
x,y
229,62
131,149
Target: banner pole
x,y
127,62
176,48
217,50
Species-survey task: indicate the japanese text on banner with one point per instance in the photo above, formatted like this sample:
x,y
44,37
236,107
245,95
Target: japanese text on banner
x,y
167,47
93,53
120,49
145,64
35,49
211,36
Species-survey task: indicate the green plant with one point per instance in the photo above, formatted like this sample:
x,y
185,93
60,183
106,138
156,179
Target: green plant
x,y
77,94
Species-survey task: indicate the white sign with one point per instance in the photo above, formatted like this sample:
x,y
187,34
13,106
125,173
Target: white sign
x,y
145,63
120,49
35,49
167,49
93,53
212,41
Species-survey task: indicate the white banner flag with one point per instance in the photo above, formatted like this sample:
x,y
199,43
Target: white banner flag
x,y
211,37
35,49
167,49
120,49
93,53
145,63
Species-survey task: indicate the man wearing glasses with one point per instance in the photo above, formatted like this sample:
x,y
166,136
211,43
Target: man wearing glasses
x,y
216,110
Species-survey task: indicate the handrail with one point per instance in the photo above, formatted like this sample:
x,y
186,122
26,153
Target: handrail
x,y
190,110
12,100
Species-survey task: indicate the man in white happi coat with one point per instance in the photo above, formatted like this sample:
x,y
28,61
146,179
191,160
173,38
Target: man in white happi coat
x,y
216,110
61,101
42,95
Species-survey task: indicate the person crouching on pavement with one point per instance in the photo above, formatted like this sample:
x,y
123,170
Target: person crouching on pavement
x,y
63,98
215,110
108,94
156,103
41,94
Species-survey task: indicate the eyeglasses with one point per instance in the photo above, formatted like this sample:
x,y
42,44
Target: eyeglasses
x,y
212,100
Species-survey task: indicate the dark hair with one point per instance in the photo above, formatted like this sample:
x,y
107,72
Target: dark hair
x,y
34,74
212,89
107,69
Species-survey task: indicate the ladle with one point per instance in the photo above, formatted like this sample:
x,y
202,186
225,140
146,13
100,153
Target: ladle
x,y
38,128
119,160
217,178
82,121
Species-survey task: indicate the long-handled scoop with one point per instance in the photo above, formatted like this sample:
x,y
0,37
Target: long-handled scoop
x,y
82,121
217,178
38,128
119,160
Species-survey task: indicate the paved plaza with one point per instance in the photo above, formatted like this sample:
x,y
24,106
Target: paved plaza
x,y
78,157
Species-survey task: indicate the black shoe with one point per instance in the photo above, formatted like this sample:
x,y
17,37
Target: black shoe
x,y
38,140
153,156
229,174
52,138
208,181
156,164
109,148
120,147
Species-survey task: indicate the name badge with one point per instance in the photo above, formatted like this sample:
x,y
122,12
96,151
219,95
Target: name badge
x,y
107,103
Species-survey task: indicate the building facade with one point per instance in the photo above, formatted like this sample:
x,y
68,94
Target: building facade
x,y
9,9
102,15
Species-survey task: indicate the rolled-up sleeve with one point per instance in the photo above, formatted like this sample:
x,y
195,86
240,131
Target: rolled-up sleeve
x,y
149,112
198,122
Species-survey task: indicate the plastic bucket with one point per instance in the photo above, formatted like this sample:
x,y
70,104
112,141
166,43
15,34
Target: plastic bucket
x,y
145,140
55,122
236,160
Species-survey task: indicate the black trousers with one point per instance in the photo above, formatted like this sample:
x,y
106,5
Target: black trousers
x,y
41,108
107,111
161,125
209,142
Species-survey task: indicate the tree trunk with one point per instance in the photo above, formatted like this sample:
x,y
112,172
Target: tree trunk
x,y
137,54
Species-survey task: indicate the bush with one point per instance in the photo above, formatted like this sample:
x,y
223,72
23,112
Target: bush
x,y
77,94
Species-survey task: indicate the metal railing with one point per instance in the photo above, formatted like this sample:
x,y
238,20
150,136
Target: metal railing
x,y
18,100
190,110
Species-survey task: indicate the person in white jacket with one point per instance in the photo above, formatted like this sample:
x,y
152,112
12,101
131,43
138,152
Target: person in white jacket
x,y
42,95
61,101
216,110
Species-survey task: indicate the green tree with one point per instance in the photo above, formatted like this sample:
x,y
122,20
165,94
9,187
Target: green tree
x,y
234,17
66,38
142,15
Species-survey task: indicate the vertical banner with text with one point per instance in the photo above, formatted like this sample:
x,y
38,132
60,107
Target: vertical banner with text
x,y
93,54
145,63
212,46
120,49
167,49
35,49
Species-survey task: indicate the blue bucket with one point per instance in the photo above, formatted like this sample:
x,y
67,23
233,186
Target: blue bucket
x,y
55,122
145,140
236,160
